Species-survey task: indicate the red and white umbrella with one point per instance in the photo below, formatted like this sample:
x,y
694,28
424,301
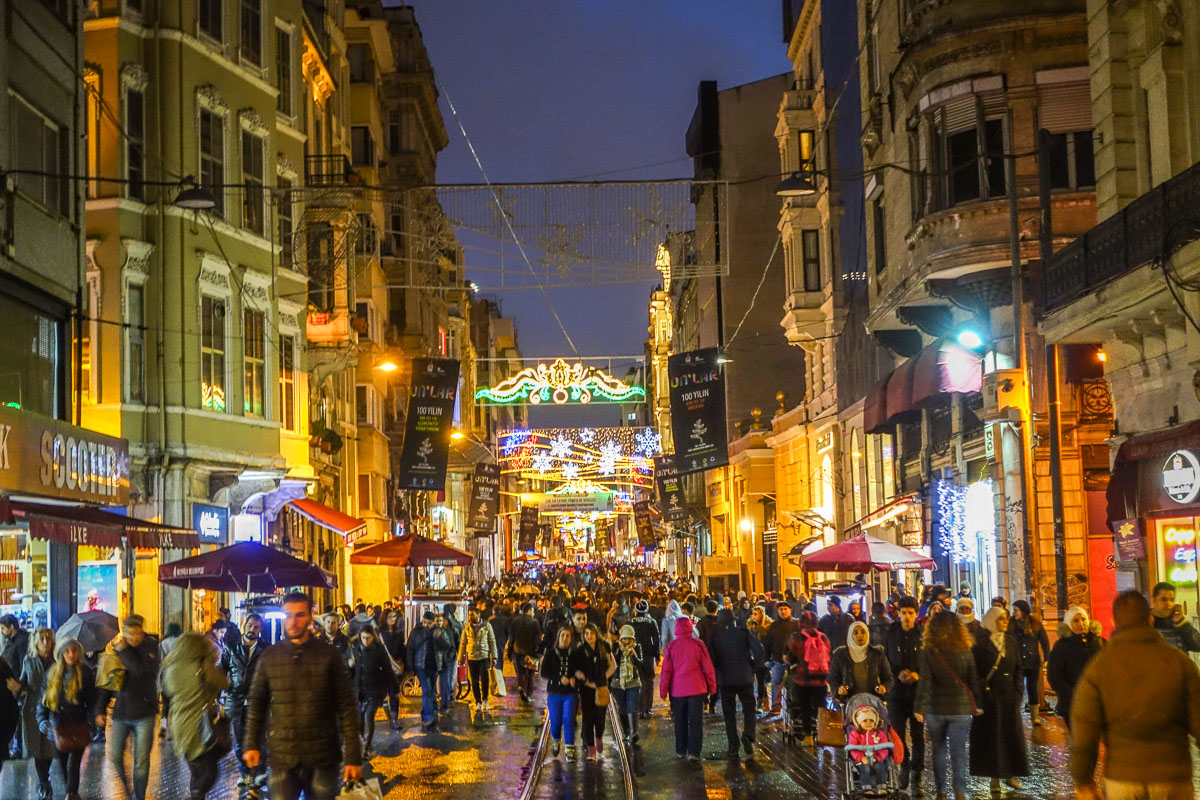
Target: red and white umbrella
x,y
864,553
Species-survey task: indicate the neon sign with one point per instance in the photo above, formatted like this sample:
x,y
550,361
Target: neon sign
x,y
560,383
1177,551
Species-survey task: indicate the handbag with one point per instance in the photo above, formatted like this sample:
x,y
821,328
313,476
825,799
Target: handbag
x,y
830,727
365,789
602,696
110,672
975,710
71,737
216,733
462,673
498,682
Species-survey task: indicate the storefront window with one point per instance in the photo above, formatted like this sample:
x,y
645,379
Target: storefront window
x,y
29,358
1176,550
24,585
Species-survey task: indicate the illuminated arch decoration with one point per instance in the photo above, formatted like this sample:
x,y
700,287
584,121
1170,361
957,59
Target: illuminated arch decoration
x,y
615,459
560,384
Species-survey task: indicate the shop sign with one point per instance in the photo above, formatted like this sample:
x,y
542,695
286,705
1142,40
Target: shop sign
x,y
1130,543
720,565
1179,553
211,523
1181,476
48,458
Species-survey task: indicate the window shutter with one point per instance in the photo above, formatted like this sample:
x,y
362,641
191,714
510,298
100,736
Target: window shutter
x,y
959,114
1065,107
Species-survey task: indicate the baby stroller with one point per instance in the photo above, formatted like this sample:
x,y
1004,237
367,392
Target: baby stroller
x,y
888,788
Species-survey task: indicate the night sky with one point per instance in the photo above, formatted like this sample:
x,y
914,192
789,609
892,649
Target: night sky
x,y
568,89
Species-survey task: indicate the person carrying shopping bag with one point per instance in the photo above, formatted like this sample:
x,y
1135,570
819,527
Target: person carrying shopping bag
x,y
194,683
687,678
478,648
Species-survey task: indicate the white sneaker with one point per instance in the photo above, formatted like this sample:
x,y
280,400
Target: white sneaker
x,y
478,706
485,705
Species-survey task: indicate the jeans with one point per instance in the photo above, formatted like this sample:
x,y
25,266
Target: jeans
x,y
729,697
689,724
646,701
872,773
429,709
903,722
448,686
481,674
561,708
143,738
1033,684
203,770
948,737
778,668
628,701
316,783
237,721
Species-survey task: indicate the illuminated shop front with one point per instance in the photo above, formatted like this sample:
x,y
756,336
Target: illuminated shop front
x,y
964,541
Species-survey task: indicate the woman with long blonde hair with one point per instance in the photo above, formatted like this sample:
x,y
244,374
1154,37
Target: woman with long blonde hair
x,y
34,745
62,712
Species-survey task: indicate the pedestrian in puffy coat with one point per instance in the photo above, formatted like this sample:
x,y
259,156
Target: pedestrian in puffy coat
x,y
64,710
373,677
687,677
626,682
1068,658
194,682
997,736
667,628
38,661
859,667
478,648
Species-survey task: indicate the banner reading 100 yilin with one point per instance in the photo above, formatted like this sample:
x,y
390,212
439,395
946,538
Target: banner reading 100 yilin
x,y
698,411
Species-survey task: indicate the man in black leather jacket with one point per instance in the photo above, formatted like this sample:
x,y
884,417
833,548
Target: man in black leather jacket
x,y
238,659
304,684
903,647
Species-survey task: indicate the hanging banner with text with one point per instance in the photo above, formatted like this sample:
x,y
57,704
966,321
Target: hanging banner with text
x,y
670,493
644,524
604,541
698,411
485,499
427,429
545,536
527,538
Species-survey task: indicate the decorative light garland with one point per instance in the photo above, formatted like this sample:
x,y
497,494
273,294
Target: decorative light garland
x,y
615,457
560,383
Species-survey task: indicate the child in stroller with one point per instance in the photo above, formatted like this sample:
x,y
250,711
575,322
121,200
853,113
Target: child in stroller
x,y
872,749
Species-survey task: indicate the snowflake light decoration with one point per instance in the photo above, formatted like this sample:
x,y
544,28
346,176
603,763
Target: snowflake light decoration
x,y
609,454
587,436
543,462
649,442
560,448
570,471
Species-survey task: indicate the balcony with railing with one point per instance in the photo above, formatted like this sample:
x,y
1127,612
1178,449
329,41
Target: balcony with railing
x,y
1153,227
328,170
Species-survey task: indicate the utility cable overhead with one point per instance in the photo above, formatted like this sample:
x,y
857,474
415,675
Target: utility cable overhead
x,y
504,215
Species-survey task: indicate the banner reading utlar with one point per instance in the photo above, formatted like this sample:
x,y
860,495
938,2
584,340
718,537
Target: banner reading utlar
x,y
485,499
644,525
527,539
670,493
430,419
698,411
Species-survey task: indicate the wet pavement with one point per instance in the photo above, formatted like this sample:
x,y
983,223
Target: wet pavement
x,y
478,756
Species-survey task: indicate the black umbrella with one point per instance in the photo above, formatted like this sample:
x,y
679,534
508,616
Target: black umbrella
x,y
92,629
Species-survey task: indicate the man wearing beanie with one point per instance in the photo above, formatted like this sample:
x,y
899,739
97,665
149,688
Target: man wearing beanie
x,y
645,632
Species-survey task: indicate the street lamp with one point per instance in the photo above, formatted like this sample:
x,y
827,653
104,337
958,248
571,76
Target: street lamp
x,y
387,366
195,197
798,184
747,525
969,339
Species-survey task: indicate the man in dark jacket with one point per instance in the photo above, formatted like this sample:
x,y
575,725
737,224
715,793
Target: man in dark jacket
x,y
1139,696
835,624
16,642
429,650
501,621
1168,619
705,628
903,646
524,635
645,632
779,633
304,684
136,705
448,680
735,655
238,660
332,624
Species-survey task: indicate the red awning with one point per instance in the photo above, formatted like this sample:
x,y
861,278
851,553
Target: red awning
x,y
91,526
944,368
875,409
900,406
327,517
244,567
412,550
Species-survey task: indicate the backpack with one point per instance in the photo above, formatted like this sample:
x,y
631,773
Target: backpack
x,y
816,654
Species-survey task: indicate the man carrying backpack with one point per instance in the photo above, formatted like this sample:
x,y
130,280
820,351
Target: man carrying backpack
x,y
736,654
779,633
903,646
808,651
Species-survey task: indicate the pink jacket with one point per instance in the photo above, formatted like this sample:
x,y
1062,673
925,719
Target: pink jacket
x,y
687,668
867,737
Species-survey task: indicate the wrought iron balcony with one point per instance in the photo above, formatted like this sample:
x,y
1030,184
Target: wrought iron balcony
x,y
328,170
1152,227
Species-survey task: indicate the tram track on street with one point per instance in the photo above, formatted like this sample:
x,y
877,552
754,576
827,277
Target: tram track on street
x,y
533,774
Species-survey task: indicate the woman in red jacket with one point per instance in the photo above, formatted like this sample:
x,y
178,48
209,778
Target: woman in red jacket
x,y
687,677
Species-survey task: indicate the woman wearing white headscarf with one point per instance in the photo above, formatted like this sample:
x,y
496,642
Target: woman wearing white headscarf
x,y
1070,654
997,737
859,666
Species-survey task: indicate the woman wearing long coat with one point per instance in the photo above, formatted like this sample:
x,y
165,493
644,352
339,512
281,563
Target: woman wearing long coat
x,y
997,736
34,744
194,681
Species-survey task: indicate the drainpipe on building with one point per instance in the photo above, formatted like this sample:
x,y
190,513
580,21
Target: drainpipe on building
x,y
1045,250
